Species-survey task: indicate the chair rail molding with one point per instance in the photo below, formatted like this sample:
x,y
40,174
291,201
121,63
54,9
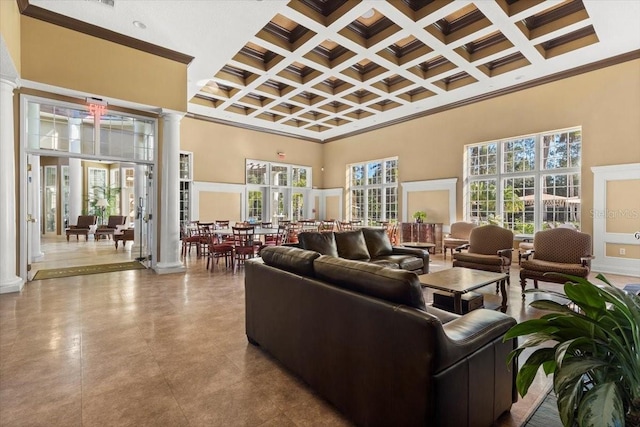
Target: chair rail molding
x,y
601,212
448,184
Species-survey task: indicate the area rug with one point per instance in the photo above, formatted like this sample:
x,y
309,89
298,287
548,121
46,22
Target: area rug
x,y
81,270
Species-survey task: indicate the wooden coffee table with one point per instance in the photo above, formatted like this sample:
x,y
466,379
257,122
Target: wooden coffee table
x,y
460,280
431,247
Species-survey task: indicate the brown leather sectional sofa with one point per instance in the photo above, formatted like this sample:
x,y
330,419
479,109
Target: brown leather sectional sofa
x,y
365,244
361,336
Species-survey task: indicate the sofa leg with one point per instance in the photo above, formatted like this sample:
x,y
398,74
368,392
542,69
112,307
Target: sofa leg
x,y
252,341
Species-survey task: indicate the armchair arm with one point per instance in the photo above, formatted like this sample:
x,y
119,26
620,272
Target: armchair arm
x,y
461,247
585,260
505,252
467,334
528,253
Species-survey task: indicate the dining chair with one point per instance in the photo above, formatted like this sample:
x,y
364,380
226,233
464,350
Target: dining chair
x,y
279,238
327,225
293,229
344,226
244,244
205,231
219,250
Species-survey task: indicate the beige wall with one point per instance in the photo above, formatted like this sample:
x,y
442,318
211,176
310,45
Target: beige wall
x,y
89,64
605,102
630,251
219,206
623,206
332,208
10,29
434,203
220,151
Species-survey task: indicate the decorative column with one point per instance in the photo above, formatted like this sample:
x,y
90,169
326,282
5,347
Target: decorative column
x,y
75,171
9,281
169,227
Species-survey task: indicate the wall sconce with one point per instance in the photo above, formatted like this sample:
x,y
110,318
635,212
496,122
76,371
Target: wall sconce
x,y
281,155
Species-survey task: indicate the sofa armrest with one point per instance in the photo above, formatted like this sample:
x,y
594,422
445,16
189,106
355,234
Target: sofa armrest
x,y
420,253
467,334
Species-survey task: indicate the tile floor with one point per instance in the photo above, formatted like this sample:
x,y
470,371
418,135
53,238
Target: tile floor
x,y
133,348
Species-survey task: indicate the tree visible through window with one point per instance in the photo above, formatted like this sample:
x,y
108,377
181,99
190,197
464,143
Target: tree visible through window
x,y
527,183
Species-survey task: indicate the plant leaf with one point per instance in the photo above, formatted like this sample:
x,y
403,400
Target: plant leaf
x,y
525,328
528,370
601,407
566,401
573,369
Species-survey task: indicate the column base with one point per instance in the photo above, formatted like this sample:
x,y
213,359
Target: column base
x,y
37,257
169,268
14,284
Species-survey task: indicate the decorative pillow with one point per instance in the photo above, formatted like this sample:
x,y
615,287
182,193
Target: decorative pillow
x,y
294,260
378,243
323,243
351,245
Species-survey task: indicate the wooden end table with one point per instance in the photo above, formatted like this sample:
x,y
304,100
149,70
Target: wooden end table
x,y
460,280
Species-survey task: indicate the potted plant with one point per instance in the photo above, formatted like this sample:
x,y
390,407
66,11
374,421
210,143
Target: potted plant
x,y
420,216
595,361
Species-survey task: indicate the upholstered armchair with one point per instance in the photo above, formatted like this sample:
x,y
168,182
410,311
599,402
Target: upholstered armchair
x,y
489,249
458,236
82,227
559,250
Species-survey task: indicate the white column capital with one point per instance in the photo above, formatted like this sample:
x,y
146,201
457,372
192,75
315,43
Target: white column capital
x,y
171,115
6,84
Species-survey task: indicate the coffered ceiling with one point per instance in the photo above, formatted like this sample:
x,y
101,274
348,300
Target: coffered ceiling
x,y
325,69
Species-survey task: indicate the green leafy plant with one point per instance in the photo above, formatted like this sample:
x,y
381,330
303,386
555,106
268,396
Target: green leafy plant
x,y
420,216
595,361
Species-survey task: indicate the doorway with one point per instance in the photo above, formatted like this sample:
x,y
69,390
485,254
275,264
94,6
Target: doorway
x,y
76,161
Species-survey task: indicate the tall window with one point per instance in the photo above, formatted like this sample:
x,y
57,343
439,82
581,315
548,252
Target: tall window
x,y
373,190
277,191
526,183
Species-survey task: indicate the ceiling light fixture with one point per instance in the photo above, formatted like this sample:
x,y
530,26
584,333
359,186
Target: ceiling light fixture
x,y
139,24
368,14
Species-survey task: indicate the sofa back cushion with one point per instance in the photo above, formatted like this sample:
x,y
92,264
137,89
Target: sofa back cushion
x,y
294,260
351,245
323,243
396,286
378,243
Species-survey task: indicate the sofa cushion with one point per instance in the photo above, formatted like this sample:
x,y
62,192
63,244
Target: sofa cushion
x,y
397,286
294,260
405,262
351,245
323,243
378,243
